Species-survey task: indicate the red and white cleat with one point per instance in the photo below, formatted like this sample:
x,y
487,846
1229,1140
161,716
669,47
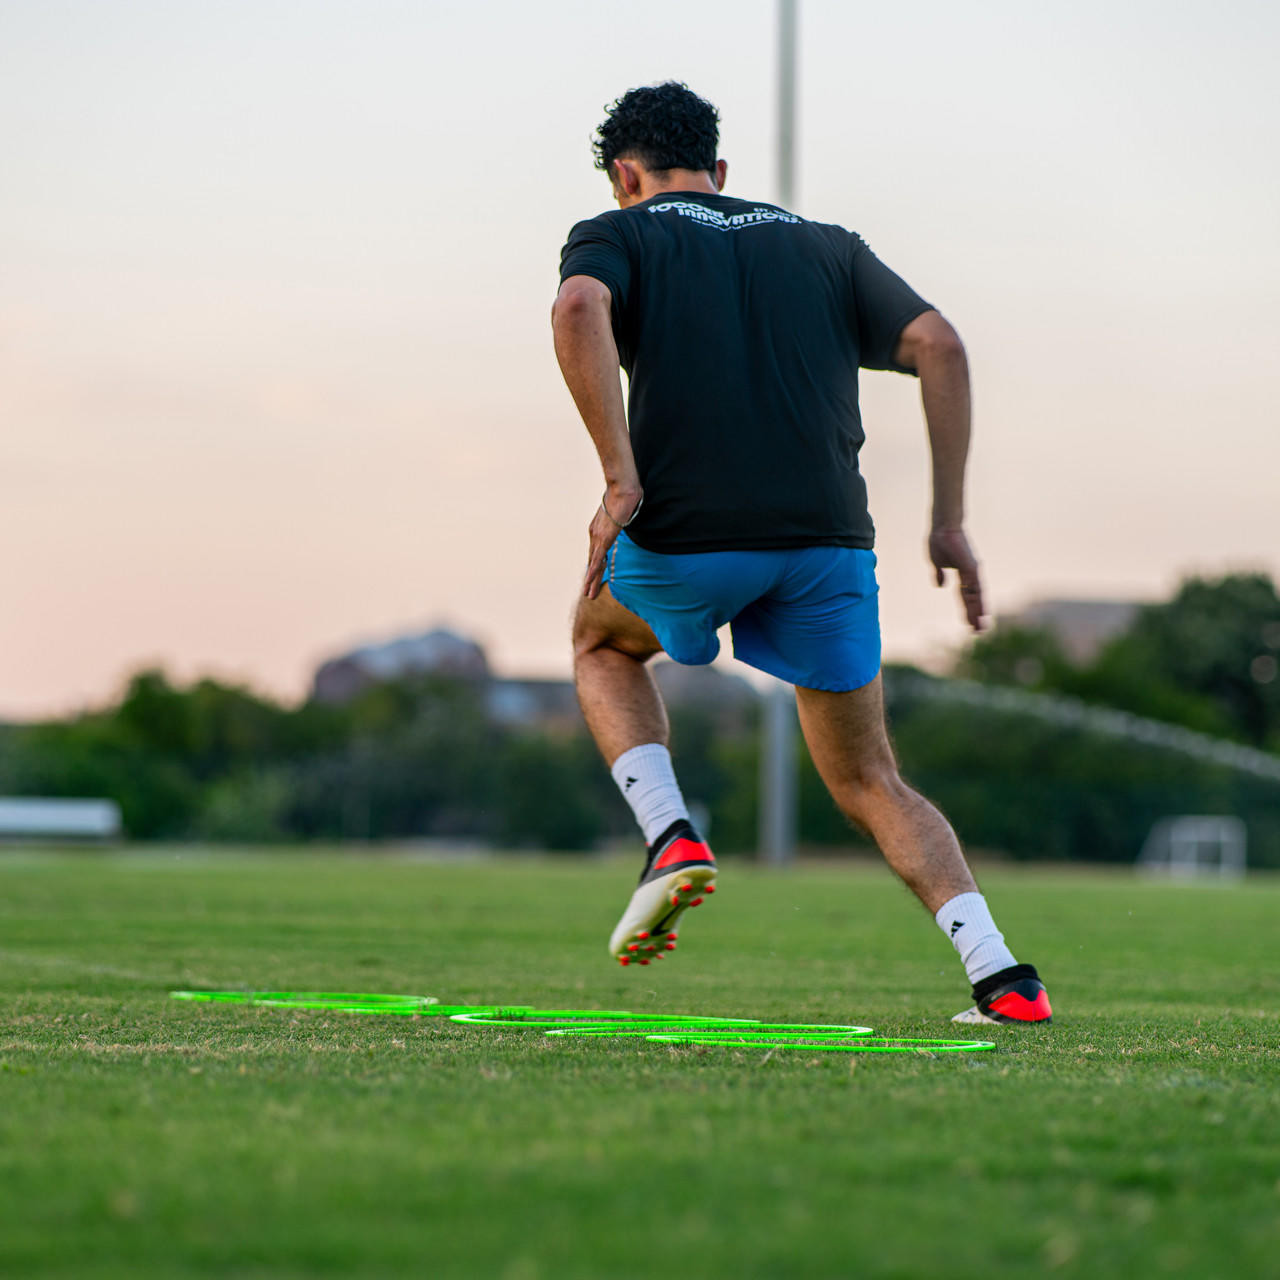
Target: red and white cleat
x,y
1015,994
679,870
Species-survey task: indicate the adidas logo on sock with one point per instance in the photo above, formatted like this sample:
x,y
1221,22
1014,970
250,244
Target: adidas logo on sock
x,y
956,924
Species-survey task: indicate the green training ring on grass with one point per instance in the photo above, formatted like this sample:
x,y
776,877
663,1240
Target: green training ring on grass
x,y
663,1028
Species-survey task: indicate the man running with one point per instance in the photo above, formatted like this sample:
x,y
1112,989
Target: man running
x,y
732,495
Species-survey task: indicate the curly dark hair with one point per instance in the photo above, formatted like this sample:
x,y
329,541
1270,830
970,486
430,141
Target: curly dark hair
x,y
664,126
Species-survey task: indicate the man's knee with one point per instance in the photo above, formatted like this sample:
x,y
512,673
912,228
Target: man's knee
x,y
587,634
603,624
590,633
588,641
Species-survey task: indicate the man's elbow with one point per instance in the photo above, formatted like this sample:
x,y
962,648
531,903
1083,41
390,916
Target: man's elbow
x,y
944,343
931,340
580,298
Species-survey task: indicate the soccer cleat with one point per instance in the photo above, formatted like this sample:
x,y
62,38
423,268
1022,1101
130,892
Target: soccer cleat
x,y
1015,994
679,869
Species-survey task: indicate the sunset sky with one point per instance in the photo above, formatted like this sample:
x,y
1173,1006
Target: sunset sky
x,y
275,363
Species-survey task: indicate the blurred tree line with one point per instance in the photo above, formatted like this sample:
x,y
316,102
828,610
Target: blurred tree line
x,y
424,758
408,758
1206,660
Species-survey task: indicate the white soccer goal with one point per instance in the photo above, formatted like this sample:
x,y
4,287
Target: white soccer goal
x,y
1193,847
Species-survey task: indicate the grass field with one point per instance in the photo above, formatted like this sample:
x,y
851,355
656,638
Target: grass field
x,y
1139,1136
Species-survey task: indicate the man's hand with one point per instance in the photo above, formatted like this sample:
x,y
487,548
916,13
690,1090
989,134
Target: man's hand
x,y
931,347
949,549
603,533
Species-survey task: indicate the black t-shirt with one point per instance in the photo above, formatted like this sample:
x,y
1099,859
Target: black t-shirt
x,y
742,328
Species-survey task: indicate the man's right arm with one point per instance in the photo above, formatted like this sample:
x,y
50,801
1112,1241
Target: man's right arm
x,y
581,321
930,346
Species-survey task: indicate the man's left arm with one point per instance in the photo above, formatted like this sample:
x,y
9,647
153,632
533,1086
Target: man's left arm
x,y
932,348
582,324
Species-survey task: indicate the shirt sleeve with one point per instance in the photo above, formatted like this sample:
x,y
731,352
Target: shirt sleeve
x,y
884,304
596,249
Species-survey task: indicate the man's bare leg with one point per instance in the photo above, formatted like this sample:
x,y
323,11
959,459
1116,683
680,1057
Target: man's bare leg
x,y
626,716
850,746
617,693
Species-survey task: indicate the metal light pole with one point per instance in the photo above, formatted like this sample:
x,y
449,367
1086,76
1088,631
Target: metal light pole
x,y
777,833
786,102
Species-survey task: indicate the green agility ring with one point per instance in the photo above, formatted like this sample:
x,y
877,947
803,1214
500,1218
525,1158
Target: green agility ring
x,y
661,1028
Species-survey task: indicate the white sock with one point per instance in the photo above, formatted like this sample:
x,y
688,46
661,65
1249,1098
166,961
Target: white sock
x,y
967,921
648,784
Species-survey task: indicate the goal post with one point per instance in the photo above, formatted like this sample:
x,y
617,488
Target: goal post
x,y
1196,846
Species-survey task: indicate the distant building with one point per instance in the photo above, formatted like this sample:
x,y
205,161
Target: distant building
x,y
548,705
729,698
553,704
1081,627
436,652
540,704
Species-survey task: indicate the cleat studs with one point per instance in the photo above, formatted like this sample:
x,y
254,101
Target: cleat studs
x,y
659,956
671,946
634,946
644,962
672,936
686,888
695,902
710,889
675,899
622,960
643,935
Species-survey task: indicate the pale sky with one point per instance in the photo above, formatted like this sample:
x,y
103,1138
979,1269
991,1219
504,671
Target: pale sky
x,y
275,363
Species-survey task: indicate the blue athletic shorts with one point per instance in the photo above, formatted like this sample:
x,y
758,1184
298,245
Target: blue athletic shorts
x,y
809,616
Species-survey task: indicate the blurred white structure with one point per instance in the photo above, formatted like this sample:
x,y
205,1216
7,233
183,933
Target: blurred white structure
x,y
1071,713
38,818
1193,846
